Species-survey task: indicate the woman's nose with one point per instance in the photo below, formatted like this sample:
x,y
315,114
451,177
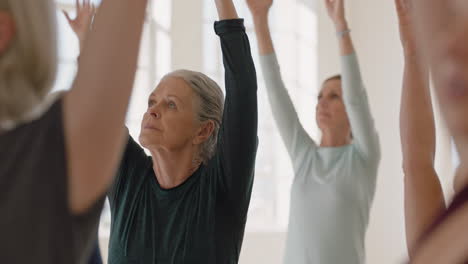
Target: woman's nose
x,y
154,111
322,104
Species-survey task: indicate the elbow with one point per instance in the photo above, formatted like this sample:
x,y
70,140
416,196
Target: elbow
x,y
413,168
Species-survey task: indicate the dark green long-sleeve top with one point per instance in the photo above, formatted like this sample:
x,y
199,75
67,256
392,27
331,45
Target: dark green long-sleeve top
x,y
203,219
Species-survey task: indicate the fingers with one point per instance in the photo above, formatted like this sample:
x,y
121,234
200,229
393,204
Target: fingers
x,y
399,7
67,16
329,4
83,4
402,8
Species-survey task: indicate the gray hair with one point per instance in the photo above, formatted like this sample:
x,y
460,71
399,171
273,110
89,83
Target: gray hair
x,y
28,66
211,105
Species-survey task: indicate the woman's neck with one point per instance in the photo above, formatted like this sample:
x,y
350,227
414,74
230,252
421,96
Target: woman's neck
x,y
172,168
335,138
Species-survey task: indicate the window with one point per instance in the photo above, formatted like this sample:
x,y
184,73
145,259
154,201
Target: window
x,y
455,155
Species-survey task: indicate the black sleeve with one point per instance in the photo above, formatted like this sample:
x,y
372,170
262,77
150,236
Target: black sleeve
x,y
133,161
237,139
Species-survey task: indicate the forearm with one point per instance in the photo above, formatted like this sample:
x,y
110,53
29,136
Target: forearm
x,y
262,30
448,243
423,202
355,98
226,9
345,42
238,133
107,66
416,116
240,76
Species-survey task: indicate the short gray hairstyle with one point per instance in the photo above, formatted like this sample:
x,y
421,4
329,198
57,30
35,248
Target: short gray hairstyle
x,y
211,106
28,67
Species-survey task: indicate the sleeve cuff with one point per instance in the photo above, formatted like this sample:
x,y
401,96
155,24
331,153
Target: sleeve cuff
x,y
350,58
270,65
228,26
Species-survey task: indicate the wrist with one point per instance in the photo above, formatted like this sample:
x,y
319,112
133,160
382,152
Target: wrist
x,y
414,61
260,18
341,34
341,25
410,52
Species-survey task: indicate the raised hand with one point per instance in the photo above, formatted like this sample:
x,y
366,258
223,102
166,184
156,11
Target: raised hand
x,y
336,11
407,28
226,9
259,7
81,25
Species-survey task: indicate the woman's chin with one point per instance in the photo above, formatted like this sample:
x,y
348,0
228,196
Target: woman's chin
x,y
148,140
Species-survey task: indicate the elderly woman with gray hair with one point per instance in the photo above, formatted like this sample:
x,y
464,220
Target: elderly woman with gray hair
x,y
188,201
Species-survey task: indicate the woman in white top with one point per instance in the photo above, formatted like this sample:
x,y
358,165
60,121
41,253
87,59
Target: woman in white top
x,y
334,181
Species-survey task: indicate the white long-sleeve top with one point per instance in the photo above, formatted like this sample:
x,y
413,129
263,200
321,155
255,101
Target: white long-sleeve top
x,y
333,187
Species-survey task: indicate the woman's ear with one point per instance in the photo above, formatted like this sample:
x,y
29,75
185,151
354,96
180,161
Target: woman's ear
x,y
204,132
7,31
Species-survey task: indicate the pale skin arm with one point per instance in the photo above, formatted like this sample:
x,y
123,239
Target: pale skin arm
x,y
95,107
440,32
226,9
290,129
448,244
423,193
336,11
260,10
82,23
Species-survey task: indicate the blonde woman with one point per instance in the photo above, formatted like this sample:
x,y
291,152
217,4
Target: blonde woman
x,y
58,155
334,181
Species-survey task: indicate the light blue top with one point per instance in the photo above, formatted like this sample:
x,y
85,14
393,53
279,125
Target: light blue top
x,y
333,188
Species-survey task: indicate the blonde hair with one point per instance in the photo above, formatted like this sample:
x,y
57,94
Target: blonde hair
x,y
211,102
28,67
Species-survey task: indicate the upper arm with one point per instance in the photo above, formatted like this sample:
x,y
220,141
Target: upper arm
x,y
95,107
448,243
294,136
357,105
424,201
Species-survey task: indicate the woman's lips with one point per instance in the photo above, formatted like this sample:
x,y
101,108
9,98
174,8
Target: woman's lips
x,y
151,127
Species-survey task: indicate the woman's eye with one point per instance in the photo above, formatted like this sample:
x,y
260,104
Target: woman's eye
x,y
150,103
172,105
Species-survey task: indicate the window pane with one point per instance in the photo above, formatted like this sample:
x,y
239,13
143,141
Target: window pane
x,y
162,11
65,76
67,41
163,54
